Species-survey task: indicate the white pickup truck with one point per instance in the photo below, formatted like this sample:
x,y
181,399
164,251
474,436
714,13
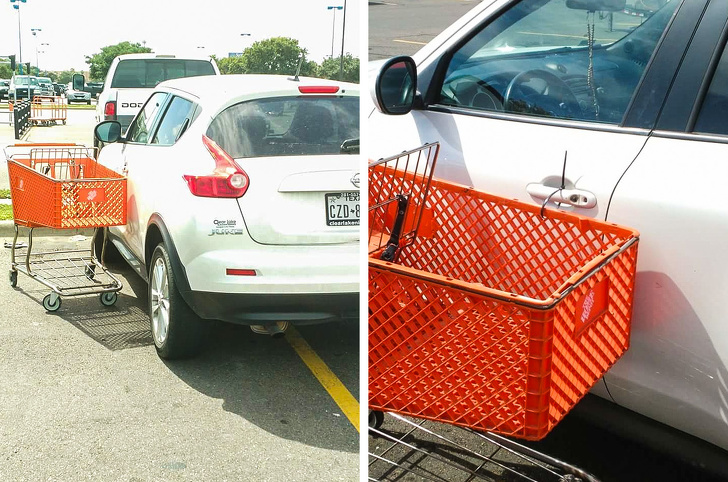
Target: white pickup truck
x,y
133,77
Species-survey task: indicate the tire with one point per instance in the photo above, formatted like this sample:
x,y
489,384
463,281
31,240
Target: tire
x,y
51,305
112,254
176,330
108,298
88,102
376,418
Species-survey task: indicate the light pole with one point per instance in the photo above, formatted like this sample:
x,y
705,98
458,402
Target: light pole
x,y
37,64
245,35
20,44
333,25
35,31
341,59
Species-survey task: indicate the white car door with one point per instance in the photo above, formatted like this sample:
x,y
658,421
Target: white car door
x,y
676,370
136,156
524,103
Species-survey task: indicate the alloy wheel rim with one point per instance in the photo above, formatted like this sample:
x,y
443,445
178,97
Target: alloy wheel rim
x,y
160,302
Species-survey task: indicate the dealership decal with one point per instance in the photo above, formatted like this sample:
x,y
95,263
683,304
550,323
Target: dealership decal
x,y
224,227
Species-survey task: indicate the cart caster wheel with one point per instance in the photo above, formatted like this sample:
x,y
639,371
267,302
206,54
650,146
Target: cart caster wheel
x,y
90,272
376,419
108,299
52,302
13,279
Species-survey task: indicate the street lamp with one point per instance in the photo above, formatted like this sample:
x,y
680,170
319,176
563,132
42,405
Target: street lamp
x,y
341,59
37,64
333,25
35,31
20,45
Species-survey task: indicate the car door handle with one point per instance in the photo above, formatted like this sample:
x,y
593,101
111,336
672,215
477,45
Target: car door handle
x,y
573,197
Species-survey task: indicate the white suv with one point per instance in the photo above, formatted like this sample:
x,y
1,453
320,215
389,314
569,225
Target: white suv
x,y
243,203
132,77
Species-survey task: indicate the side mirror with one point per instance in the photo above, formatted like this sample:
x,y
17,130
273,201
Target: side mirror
x,y
78,82
108,131
597,5
396,86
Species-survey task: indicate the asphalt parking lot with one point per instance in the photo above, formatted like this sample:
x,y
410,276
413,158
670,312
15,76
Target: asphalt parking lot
x,y
85,396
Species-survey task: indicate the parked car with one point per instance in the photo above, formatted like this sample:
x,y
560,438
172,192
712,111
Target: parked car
x,y
132,78
583,107
74,95
59,89
4,87
94,88
235,214
23,87
46,86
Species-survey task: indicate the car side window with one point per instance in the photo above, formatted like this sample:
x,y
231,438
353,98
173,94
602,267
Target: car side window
x,y
713,115
557,59
140,128
175,119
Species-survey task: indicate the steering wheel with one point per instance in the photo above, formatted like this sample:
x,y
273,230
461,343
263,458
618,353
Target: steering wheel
x,y
551,96
470,91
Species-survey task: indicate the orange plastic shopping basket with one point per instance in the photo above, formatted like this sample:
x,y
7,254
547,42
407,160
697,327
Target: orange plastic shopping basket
x,y
495,315
61,186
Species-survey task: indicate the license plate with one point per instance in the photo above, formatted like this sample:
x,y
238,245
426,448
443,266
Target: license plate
x,y
342,209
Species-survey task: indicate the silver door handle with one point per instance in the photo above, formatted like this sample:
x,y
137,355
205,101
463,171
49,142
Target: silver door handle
x,y
573,197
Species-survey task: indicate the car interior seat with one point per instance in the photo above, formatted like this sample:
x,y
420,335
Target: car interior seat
x,y
312,124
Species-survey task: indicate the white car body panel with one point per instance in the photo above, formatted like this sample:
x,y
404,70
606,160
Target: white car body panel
x,y
676,367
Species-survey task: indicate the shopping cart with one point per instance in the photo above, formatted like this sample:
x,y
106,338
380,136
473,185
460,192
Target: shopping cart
x,y
61,186
48,110
489,313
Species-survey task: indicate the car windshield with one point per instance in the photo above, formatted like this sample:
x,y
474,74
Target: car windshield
x,y
26,80
147,73
288,126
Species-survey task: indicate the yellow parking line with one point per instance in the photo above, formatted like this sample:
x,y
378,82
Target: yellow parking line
x,y
409,42
343,398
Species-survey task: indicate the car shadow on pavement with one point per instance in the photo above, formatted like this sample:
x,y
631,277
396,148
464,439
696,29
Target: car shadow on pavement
x,y
262,380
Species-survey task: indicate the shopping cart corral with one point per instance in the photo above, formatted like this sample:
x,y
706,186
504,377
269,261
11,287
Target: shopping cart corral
x,y
60,186
485,313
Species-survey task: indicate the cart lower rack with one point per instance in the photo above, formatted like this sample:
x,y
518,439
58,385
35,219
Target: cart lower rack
x,y
401,448
61,186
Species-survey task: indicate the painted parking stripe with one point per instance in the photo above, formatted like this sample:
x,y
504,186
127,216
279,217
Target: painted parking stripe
x,y
343,398
409,42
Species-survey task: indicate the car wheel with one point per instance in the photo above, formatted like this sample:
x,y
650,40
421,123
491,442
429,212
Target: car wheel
x,y
176,330
88,102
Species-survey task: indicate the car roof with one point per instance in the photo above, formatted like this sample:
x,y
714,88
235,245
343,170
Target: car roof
x,y
161,56
222,90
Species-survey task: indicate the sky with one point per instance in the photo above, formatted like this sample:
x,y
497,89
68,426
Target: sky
x,y
79,28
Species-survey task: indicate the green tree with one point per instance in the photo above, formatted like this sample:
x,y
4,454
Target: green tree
x,y
278,55
330,68
5,72
99,63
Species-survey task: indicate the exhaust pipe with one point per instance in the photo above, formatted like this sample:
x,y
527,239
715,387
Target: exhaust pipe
x,y
276,330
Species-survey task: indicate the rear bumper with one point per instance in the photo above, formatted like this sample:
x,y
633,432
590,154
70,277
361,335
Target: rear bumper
x,y
255,309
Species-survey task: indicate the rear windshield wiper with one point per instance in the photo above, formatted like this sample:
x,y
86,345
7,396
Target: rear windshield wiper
x,y
350,146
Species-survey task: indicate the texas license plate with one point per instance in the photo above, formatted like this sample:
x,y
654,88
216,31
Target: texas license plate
x,y
342,209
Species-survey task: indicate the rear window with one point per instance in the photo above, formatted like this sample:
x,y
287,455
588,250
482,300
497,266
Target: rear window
x,y
147,73
288,126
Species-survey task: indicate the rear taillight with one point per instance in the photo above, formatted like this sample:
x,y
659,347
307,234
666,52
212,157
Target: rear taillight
x,y
227,180
110,110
